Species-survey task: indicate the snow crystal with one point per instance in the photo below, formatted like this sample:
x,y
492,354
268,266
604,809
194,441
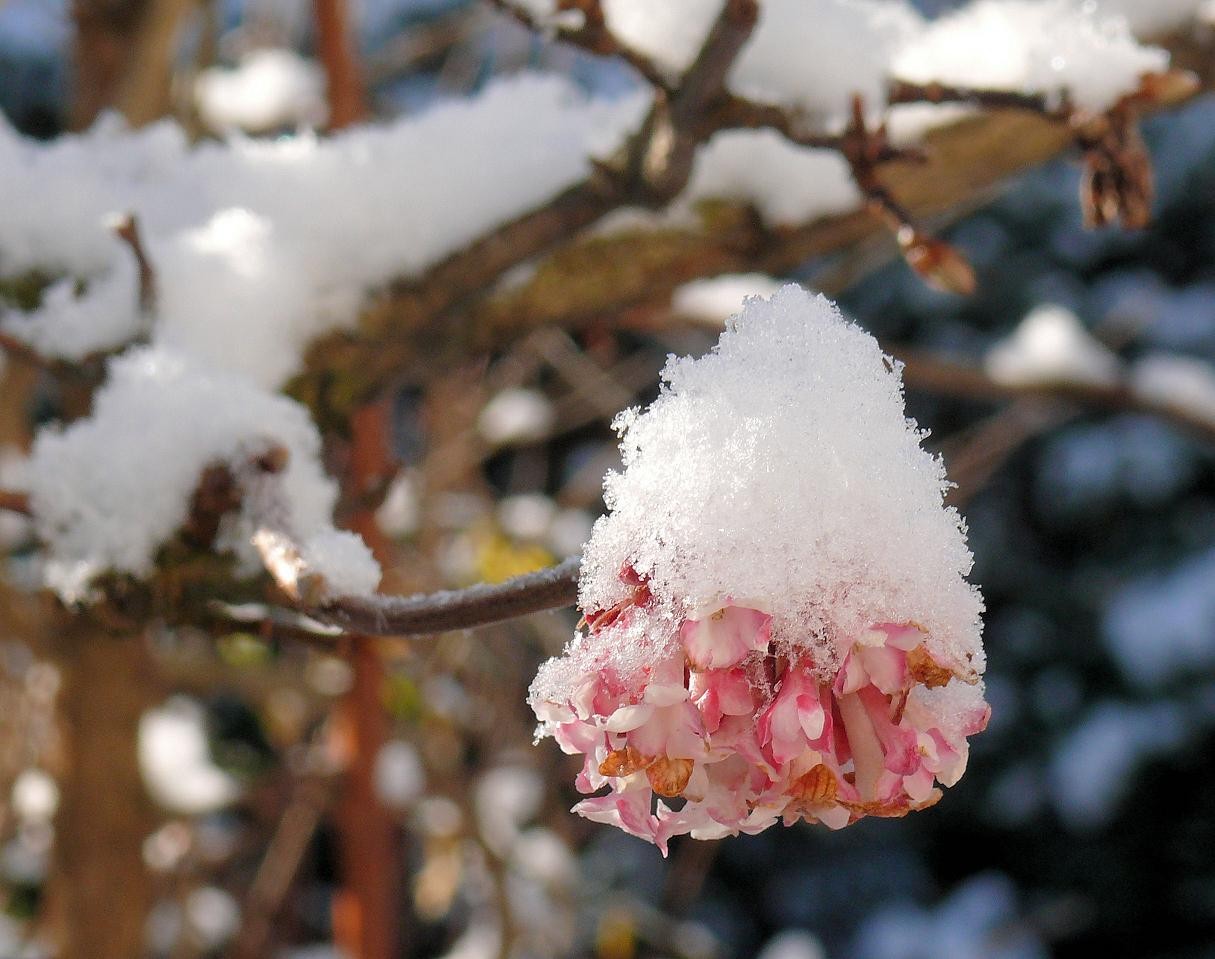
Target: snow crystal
x,y
234,228
1182,382
780,470
787,184
1051,346
269,89
1032,45
108,490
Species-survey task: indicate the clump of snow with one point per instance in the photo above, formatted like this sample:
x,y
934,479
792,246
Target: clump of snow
x,y
516,415
980,917
293,232
669,33
71,326
400,777
176,762
780,469
715,299
35,796
1093,768
787,184
213,916
793,944
1163,625
1033,45
526,516
270,88
1150,20
342,560
813,56
1182,382
1050,345
108,490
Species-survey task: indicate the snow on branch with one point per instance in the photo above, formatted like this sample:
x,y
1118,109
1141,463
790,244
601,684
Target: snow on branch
x,y
311,586
234,231
1052,357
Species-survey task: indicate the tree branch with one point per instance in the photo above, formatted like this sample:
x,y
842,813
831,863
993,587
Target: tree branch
x,y
13,501
375,614
555,587
950,377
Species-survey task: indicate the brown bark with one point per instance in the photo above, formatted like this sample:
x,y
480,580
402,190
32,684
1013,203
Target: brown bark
x,y
100,889
366,909
335,49
123,53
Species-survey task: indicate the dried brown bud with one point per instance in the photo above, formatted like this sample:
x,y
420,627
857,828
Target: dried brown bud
x,y
939,264
1117,183
623,762
669,777
817,786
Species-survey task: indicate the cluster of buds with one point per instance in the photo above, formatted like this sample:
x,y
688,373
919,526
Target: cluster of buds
x,y
728,731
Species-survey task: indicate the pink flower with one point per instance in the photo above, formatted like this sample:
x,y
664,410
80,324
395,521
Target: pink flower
x,y
747,734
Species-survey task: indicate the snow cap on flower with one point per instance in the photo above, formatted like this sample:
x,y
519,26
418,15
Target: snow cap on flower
x,y
777,620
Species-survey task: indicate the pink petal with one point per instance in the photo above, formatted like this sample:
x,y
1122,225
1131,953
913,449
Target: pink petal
x,y
886,666
629,717
898,742
629,811
722,639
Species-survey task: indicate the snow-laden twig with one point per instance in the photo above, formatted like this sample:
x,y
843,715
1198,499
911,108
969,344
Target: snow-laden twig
x,y
286,560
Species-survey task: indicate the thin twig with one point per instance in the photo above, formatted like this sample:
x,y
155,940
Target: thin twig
x,y
904,92
281,864
936,261
376,614
127,230
583,25
555,587
937,374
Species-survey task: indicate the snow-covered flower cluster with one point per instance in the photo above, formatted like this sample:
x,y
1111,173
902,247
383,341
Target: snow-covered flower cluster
x,y
777,624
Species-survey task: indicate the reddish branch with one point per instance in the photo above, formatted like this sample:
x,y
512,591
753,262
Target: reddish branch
x,y
335,49
15,502
936,261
